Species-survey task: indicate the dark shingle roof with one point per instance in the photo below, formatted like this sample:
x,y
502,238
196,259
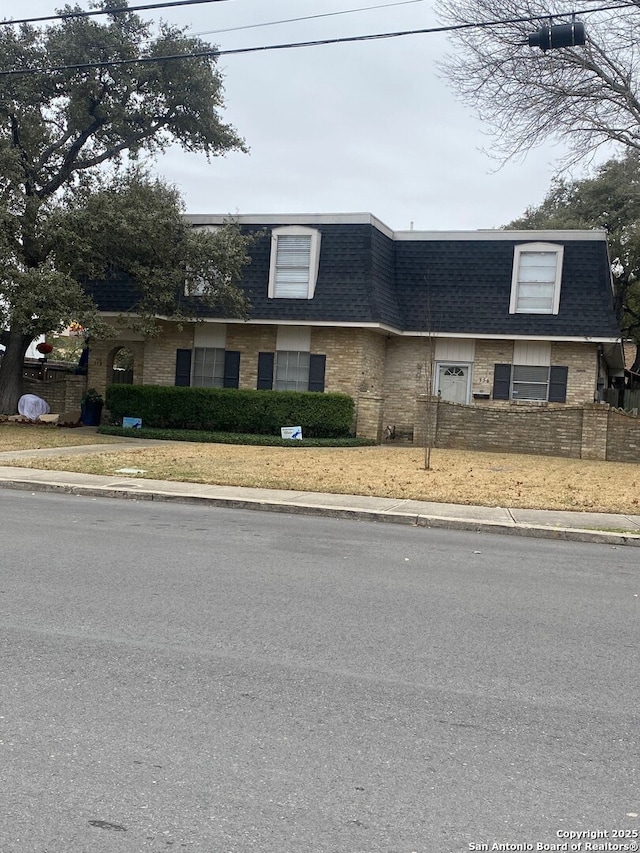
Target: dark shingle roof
x,y
465,288
453,284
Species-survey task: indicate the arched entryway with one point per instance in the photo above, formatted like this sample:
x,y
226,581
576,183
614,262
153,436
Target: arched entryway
x,y
121,366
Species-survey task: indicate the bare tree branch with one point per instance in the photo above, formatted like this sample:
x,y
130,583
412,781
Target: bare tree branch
x,y
585,97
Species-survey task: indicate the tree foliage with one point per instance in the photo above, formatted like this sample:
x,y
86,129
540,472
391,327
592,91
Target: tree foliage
x,y
584,97
59,131
610,200
133,225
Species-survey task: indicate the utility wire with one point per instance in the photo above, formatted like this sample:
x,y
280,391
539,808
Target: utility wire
x,y
308,17
211,53
63,16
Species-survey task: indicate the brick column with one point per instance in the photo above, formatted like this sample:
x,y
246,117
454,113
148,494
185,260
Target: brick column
x,y
595,418
369,417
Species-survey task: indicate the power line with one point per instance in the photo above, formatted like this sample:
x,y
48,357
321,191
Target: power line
x,y
208,54
63,16
308,18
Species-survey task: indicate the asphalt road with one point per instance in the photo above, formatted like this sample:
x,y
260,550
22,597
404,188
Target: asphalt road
x,y
225,681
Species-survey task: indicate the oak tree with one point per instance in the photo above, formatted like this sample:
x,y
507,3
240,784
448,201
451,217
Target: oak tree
x,y
77,106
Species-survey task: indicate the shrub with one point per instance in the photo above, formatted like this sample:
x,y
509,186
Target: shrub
x,y
232,437
232,410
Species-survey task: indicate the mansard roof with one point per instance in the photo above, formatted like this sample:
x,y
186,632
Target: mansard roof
x,y
454,283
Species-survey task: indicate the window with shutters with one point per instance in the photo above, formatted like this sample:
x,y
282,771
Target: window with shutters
x,y
208,367
535,284
295,256
530,383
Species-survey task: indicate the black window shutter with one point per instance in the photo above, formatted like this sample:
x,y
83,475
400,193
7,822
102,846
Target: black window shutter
x,y
501,381
558,384
231,369
183,367
265,371
317,365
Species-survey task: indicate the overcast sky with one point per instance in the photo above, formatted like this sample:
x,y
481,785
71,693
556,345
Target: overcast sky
x,y
367,127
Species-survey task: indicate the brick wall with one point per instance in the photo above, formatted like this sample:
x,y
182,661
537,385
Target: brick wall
x,y
487,355
160,353
355,359
102,352
407,375
249,341
582,361
388,378
551,432
623,436
369,417
62,394
592,431
580,358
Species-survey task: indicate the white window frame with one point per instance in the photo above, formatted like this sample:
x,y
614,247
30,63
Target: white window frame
x,y
307,290
531,248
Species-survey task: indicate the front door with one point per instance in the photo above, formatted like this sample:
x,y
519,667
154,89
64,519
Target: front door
x,y
453,382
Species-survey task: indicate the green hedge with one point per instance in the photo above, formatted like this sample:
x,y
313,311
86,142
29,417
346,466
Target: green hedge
x,y
232,410
232,438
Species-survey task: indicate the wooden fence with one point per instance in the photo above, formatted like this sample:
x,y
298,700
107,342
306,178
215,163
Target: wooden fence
x,y
623,399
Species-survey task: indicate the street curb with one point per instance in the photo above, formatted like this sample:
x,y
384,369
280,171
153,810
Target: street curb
x,y
601,537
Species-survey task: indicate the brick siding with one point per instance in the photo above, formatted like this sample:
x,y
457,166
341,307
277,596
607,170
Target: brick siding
x,y
592,431
62,394
389,378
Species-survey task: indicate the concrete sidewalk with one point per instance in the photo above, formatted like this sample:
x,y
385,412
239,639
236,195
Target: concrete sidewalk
x,y
578,526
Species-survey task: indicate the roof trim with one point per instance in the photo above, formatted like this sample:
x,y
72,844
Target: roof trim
x,y
279,219
519,236
389,330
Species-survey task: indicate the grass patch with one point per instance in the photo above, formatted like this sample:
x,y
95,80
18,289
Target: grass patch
x,y
459,477
38,436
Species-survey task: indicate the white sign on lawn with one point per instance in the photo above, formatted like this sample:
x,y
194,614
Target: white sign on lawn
x,y
291,432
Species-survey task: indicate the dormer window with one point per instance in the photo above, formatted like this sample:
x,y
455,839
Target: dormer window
x,y
537,273
295,255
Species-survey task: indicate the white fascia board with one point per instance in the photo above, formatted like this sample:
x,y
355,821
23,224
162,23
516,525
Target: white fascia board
x,y
266,219
326,324
588,339
482,235
501,236
383,327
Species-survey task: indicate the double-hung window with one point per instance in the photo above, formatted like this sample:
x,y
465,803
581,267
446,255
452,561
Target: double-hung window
x,y
208,367
292,367
529,382
537,273
531,377
209,364
295,256
291,371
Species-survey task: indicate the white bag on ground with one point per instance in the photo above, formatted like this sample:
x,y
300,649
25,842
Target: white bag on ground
x,y
32,406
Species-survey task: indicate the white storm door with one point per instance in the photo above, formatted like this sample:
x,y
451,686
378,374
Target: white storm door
x,y
453,382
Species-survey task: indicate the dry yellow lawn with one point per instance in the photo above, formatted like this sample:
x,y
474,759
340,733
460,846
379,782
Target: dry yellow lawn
x,y
33,437
488,479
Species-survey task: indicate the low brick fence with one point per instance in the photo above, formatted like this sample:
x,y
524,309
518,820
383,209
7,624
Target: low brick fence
x,y
62,393
623,436
592,431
